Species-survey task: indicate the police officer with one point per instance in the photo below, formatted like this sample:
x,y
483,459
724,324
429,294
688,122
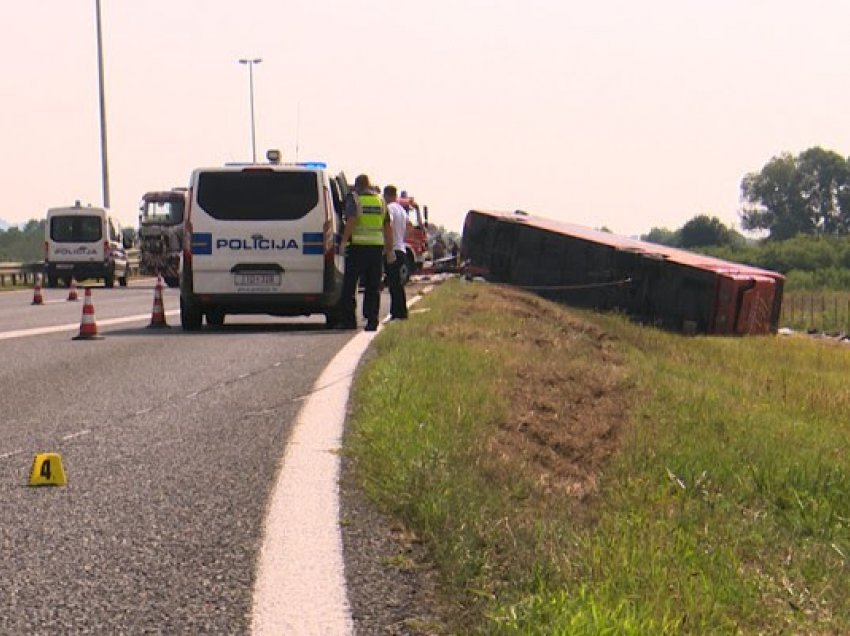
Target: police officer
x,y
367,226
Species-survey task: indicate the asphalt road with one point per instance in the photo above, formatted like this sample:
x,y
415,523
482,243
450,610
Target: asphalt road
x,y
170,442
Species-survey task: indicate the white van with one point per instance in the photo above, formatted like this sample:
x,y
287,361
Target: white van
x,y
262,239
82,243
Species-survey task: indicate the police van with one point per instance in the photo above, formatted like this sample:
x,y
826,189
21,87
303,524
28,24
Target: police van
x,y
262,239
84,242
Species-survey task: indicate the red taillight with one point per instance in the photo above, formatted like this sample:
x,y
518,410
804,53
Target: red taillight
x,y
46,249
187,242
328,229
330,247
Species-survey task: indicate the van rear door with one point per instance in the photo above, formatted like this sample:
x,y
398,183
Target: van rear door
x,y
75,237
258,230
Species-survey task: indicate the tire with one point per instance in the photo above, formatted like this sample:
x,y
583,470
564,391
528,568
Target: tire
x,y
172,281
122,281
215,317
332,319
68,280
190,316
52,281
109,279
405,270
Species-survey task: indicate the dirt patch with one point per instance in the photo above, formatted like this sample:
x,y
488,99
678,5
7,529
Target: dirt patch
x,y
569,400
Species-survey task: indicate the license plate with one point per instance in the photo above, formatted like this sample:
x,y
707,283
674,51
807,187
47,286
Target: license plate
x,y
258,279
64,266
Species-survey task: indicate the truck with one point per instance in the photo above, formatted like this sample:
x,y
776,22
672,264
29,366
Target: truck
x,y
161,234
416,236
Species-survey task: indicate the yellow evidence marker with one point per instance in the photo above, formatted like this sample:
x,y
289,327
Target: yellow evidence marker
x,y
47,470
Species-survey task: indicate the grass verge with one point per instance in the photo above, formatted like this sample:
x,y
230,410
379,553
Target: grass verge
x,y
573,473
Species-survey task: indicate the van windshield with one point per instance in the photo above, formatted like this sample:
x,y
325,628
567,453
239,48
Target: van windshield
x,y
76,229
254,195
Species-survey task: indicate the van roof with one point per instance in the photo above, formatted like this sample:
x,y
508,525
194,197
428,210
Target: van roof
x,y
303,165
77,209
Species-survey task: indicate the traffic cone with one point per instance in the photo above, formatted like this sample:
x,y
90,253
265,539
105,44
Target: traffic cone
x,y
158,312
72,292
88,326
37,298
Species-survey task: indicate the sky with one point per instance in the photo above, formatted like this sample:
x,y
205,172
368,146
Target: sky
x,y
612,113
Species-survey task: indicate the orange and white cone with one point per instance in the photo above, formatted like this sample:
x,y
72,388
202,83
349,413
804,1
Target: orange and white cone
x,y
158,312
37,298
88,326
72,292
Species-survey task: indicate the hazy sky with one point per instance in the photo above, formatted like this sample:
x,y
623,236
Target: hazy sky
x,y
613,113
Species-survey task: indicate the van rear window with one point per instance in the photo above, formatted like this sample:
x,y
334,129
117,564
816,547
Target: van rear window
x,y
254,195
76,229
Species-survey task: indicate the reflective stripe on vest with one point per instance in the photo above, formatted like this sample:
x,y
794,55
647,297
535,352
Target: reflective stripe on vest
x,y
369,229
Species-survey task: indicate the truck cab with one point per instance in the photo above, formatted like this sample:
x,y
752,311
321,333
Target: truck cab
x,y
416,236
161,234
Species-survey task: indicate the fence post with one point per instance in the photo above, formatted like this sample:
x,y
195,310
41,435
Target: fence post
x,y
811,312
836,325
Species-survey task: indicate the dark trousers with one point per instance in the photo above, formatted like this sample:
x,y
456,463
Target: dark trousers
x,y
362,262
398,297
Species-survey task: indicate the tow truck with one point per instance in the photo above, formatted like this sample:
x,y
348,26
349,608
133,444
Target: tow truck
x,y
415,238
161,234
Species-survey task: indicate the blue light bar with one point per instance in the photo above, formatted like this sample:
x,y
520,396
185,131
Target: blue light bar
x,y
321,165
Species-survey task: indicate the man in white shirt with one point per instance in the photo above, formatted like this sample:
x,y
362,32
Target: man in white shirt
x,y
398,224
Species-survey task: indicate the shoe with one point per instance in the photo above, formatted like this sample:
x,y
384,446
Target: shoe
x,y
398,317
372,326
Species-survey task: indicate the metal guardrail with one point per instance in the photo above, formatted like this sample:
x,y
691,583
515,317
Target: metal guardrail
x,y
19,273
26,273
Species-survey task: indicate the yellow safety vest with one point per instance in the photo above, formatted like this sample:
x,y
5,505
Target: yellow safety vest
x,y
369,228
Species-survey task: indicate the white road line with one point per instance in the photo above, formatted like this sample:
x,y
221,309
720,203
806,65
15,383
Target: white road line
x,y
40,331
300,587
75,435
11,454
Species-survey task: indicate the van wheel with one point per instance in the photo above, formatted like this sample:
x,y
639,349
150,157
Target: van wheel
x,y
109,279
215,318
172,281
190,316
122,281
332,319
52,281
68,281
405,269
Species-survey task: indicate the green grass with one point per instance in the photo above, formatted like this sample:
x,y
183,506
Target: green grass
x,y
725,511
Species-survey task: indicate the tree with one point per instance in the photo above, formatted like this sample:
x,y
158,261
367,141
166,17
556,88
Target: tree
x,y
663,236
704,230
825,180
23,245
807,194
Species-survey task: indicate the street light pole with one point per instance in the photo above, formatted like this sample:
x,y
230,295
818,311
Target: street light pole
x,y
103,160
250,64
